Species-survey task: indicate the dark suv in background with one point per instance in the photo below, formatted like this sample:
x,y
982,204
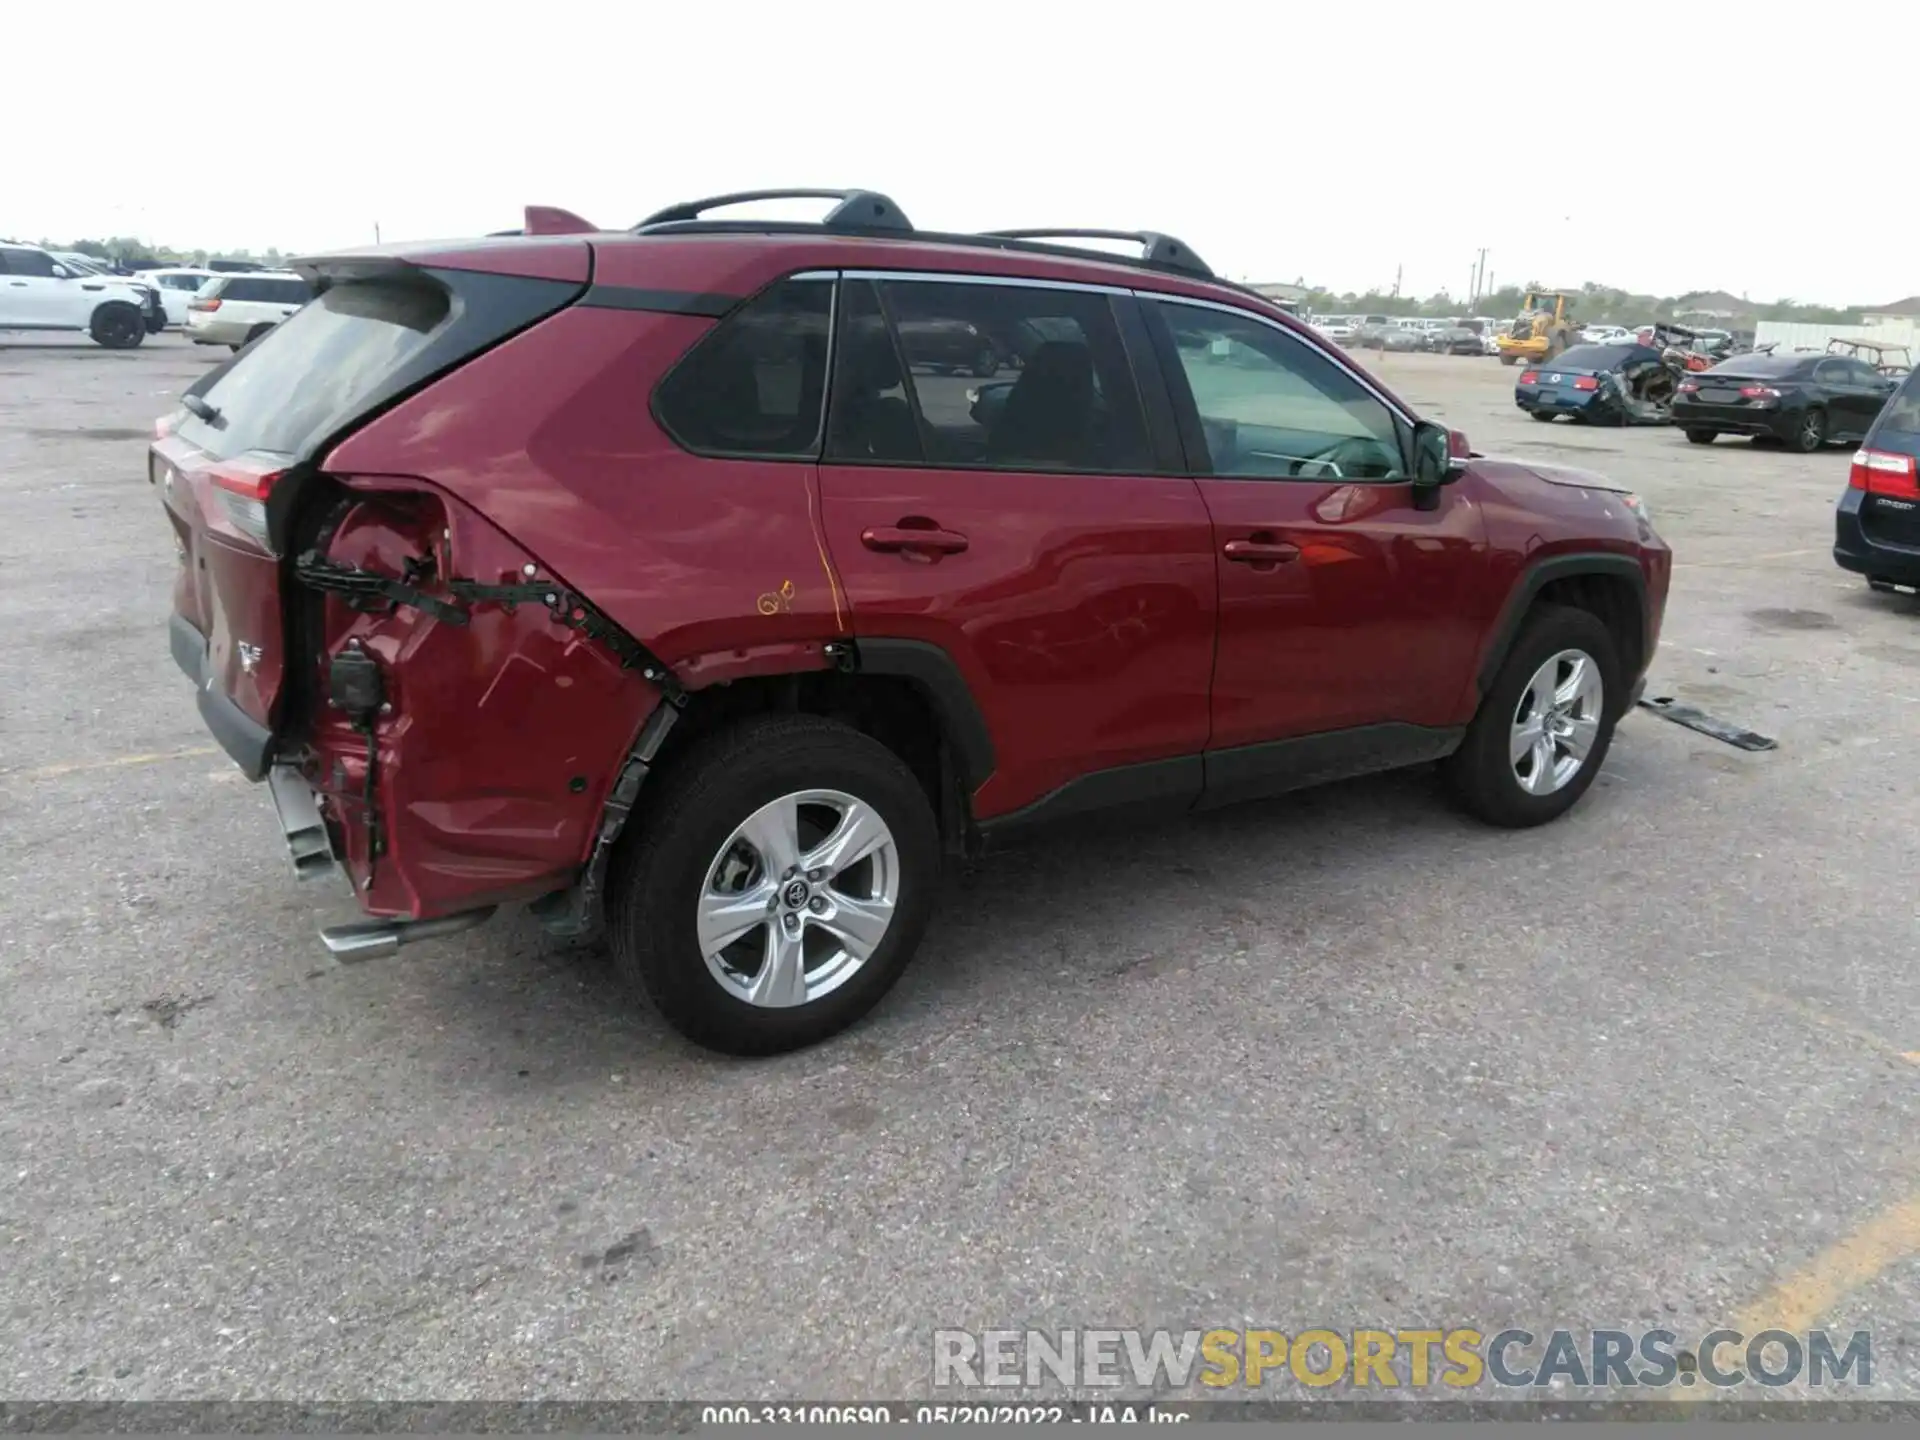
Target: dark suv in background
x,y
672,574
1878,522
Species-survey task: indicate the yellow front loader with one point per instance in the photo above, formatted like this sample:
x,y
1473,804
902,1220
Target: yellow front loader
x,y
1542,329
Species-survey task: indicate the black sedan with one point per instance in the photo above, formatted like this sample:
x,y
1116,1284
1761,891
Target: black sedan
x,y
1804,401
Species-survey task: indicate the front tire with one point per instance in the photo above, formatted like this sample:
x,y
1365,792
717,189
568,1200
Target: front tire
x,y
117,325
1702,437
1509,359
776,885
1544,726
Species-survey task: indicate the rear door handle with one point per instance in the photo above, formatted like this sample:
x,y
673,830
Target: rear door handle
x,y
903,537
1260,552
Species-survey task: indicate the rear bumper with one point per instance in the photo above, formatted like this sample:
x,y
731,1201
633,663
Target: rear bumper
x,y
1733,420
216,332
1593,407
246,740
1855,550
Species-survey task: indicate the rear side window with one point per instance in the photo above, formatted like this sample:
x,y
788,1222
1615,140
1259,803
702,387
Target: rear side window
x,y
757,384
284,393
1006,377
1898,427
273,292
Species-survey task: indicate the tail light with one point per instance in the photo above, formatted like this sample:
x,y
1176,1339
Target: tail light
x,y
1758,392
203,305
242,485
1688,387
1458,446
1879,473
1586,382
1530,377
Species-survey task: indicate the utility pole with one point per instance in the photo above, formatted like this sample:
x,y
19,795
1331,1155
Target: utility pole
x,y
1479,273
376,232
1398,270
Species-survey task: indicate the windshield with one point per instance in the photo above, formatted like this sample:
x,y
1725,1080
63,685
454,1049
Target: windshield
x,y
1595,357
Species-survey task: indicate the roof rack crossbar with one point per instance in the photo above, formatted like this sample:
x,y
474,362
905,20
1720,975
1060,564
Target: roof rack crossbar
x,y
857,210
1155,248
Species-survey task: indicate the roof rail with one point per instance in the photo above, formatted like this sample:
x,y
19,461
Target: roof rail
x,y
1161,251
868,212
857,210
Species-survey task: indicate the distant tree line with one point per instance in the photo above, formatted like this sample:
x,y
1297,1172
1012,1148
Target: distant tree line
x,y
124,249
1596,304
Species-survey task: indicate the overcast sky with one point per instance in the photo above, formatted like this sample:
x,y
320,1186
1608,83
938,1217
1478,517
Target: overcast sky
x,y
1662,146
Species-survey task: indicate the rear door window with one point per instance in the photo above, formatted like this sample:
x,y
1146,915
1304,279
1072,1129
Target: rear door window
x,y
1003,377
756,385
290,391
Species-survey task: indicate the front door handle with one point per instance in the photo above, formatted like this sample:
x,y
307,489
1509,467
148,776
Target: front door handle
x,y
907,537
1260,552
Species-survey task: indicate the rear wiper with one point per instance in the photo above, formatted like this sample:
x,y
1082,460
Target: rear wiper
x,y
197,406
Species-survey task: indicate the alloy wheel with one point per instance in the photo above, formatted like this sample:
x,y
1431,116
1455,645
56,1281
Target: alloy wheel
x,y
1556,722
798,898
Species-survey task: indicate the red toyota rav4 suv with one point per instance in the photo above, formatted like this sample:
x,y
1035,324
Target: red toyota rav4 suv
x,y
717,577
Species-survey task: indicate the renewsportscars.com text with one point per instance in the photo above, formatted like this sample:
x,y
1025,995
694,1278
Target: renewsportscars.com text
x,y
1458,1358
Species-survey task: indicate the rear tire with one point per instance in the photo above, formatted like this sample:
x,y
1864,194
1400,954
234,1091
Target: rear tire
x,y
117,325
1703,437
1810,433
1486,776
254,334
1509,359
1541,415
688,852
986,364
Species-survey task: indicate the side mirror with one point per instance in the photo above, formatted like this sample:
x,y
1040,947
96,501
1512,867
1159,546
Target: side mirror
x,y
1439,458
60,272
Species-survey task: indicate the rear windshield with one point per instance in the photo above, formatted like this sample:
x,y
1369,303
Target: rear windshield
x,y
1762,367
1593,357
305,378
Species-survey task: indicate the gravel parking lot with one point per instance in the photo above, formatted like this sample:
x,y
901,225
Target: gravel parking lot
x,y
1340,1061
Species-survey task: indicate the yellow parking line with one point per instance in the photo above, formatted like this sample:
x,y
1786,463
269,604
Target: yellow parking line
x,y
1747,560
48,772
1803,1297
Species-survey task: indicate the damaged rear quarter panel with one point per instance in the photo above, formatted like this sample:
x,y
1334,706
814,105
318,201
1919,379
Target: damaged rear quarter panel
x,y
716,565
502,736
